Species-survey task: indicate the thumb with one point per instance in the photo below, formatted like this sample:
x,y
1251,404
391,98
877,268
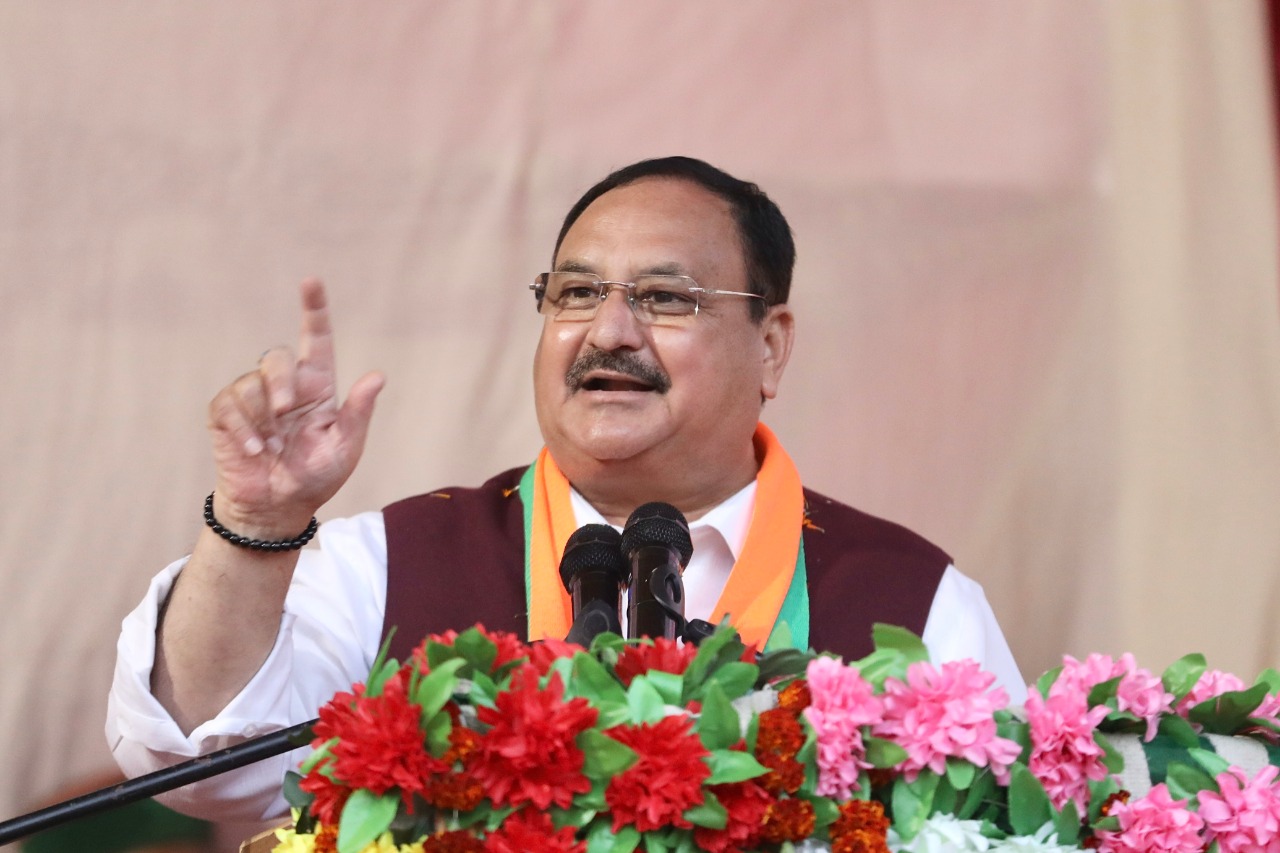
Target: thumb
x,y
357,411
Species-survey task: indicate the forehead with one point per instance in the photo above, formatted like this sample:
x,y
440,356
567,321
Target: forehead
x,y
655,223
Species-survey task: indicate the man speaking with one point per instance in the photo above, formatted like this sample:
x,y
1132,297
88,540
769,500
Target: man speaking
x,y
665,329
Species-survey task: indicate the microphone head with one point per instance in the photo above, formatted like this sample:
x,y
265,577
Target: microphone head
x,y
593,547
661,524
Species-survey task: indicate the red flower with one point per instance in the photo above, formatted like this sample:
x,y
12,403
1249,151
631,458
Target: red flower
x,y
380,745
667,778
529,754
664,655
746,802
330,797
531,831
544,653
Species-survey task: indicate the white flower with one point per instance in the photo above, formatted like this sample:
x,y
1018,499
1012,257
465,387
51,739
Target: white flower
x,y
943,833
753,704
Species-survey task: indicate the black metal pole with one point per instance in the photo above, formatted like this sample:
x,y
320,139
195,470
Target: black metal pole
x,y
201,767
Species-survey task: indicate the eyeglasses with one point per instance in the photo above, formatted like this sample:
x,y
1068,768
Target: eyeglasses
x,y
577,296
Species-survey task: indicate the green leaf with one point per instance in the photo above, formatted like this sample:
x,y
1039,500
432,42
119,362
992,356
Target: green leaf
x,y
1210,761
882,753
373,686
1044,682
1182,675
709,813
644,702
1067,824
1179,731
944,800
900,640
627,839
378,677
912,803
984,785
718,724
1104,693
736,678
600,836
668,685
1271,678
293,795
825,810
365,817
325,751
1029,806
730,765
436,733
604,756
477,649
882,664
1185,781
1228,713
593,682
436,689
722,647
783,663
960,773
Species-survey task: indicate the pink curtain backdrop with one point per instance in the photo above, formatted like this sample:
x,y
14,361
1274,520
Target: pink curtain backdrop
x,y
1036,295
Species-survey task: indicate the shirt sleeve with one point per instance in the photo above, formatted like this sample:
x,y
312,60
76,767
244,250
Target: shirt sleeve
x,y
329,634
962,625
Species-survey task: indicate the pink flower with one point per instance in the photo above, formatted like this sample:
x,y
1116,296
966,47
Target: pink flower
x,y
1245,817
1214,682
842,703
946,711
1064,754
1139,692
1154,824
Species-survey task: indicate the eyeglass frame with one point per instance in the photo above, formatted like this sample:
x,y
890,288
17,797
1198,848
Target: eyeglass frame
x,y
539,288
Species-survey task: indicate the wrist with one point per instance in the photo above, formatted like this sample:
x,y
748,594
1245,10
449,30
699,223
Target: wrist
x,y
257,530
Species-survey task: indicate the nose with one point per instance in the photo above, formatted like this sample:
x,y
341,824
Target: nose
x,y
615,325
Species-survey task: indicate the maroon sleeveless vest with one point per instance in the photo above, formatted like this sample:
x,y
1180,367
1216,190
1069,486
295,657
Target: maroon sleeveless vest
x,y
455,557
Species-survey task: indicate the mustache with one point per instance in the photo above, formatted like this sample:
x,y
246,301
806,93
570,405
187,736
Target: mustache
x,y
621,361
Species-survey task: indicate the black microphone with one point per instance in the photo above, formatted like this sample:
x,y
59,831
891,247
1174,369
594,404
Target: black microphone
x,y
594,573
657,546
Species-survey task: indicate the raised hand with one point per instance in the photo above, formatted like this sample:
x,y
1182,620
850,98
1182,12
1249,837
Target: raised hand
x,y
283,443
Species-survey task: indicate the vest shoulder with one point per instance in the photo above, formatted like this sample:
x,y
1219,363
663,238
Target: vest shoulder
x,y
831,522
496,491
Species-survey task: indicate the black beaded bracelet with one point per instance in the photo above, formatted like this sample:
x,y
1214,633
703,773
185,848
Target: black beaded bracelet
x,y
257,544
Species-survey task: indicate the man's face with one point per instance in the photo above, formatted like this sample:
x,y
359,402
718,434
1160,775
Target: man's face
x,y
691,402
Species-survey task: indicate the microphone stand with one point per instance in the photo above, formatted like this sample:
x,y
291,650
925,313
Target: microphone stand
x,y
166,779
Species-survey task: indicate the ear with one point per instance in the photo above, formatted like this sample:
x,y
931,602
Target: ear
x,y
778,330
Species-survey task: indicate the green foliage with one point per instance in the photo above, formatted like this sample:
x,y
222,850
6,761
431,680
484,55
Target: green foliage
x,y
1183,674
365,817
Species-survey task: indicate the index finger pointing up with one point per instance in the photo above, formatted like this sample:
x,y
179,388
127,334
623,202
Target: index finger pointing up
x,y
315,341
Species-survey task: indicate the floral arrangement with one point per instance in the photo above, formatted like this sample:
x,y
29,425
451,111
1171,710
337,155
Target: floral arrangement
x,y
482,743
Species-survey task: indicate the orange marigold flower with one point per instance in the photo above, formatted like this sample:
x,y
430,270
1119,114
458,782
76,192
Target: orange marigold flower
x,y
326,840
462,743
861,828
779,733
788,820
795,697
454,841
455,792
1121,796
785,775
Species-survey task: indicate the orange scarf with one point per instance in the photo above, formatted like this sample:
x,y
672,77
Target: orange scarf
x,y
757,586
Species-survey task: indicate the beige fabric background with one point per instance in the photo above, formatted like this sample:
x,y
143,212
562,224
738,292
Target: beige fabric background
x,y
1037,288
